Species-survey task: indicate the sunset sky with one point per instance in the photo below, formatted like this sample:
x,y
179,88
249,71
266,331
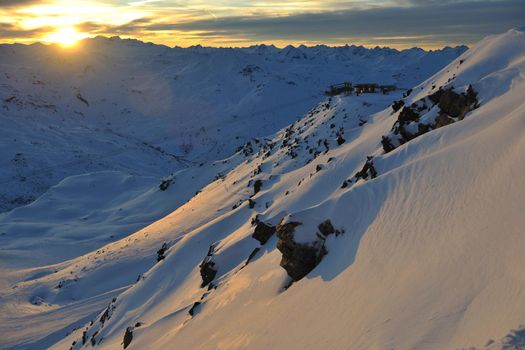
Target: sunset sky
x,y
396,23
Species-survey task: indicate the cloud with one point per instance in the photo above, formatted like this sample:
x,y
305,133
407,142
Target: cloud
x,y
10,31
400,23
16,3
456,20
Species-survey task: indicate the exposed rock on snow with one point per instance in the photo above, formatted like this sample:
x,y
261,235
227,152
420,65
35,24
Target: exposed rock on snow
x,y
438,109
299,258
396,106
161,252
164,184
207,268
263,232
257,185
193,308
128,336
368,170
208,272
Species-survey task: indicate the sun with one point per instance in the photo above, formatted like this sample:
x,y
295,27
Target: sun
x,y
66,36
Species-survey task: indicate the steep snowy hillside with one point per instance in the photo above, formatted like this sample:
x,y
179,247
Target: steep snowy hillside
x,y
355,227
148,110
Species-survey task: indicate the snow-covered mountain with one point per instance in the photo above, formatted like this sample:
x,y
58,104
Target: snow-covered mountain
x,y
372,222
149,110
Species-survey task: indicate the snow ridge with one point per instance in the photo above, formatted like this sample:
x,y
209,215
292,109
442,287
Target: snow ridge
x,y
320,237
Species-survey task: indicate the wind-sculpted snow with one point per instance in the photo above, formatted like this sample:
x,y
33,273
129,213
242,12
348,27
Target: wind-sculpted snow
x,y
420,247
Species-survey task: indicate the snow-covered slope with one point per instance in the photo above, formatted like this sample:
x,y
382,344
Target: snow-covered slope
x,y
144,109
399,226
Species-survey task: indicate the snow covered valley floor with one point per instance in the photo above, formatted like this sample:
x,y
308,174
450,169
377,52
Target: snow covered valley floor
x,y
372,222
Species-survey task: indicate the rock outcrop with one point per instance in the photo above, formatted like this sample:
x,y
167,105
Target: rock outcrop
x,y
263,232
300,258
208,270
414,120
257,186
161,252
128,337
368,170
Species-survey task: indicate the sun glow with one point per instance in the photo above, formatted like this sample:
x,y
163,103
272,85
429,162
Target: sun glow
x,y
66,36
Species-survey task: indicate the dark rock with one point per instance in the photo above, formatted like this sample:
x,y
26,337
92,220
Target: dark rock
x,y
436,96
128,337
251,203
164,184
263,232
407,115
443,120
453,104
105,316
452,107
93,339
326,228
299,258
457,105
211,286
340,140
396,106
367,170
387,144
208,271
161,252
257,186
193,308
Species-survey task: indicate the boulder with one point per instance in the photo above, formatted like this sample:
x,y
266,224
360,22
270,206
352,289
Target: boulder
x,y
193,309
208,271
326,228
457,105
128,336
263,232
300,258
257,186
453,104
